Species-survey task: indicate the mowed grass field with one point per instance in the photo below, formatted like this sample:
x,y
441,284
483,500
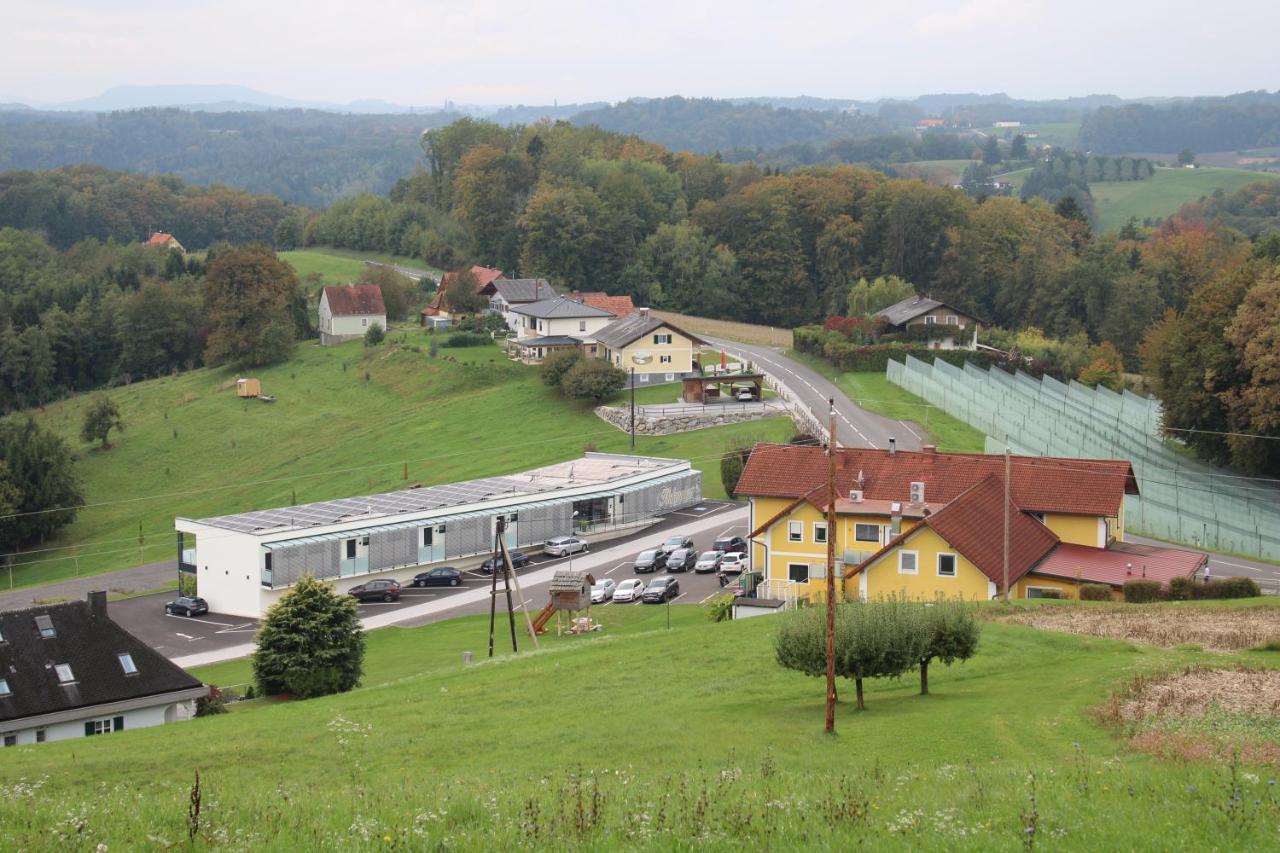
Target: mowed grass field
x,y
1164,192
343,266
643,737
347,420
875,393
746,332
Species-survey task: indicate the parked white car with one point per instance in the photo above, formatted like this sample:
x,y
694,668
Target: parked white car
x,y
603,591
733,564
560,546
629,590
708,561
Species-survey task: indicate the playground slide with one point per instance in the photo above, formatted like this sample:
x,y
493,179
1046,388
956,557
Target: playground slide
x,y
544,616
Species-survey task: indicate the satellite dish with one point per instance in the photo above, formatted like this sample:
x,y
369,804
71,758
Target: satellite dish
x,y
641,357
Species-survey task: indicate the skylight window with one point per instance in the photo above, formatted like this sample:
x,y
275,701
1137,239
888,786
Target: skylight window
x,y
64,673
4,688
45,625
127,664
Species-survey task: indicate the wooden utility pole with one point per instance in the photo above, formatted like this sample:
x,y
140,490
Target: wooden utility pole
x,y
1007,489
515,581
831,571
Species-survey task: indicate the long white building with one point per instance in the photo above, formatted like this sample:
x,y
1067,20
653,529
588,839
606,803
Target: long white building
x,y
243,563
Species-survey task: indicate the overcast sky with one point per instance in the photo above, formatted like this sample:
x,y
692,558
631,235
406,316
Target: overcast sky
x,y
520,51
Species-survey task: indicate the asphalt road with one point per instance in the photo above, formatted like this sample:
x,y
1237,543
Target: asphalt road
x,y
855,426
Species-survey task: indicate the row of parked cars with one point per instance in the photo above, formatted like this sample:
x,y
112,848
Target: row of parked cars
x,y
677,554
657,591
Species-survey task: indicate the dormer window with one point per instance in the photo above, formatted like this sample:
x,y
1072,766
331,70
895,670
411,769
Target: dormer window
x,y
4,689
45,625
64,673
127,664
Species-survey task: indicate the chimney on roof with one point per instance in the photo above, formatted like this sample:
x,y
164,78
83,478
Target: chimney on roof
x,y
928,448
895,518
644,312
893,445
98,603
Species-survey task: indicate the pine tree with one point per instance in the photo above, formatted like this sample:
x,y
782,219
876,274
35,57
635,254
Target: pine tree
x,y
311,643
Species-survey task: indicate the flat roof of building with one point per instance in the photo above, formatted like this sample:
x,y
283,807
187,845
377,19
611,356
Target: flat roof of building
x,y
593,469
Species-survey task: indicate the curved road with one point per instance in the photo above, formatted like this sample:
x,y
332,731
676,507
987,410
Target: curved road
x,y
855,426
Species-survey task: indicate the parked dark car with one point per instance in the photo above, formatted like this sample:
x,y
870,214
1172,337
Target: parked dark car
x,y
730,544
681,560
443,576
661,590
675,542
650,561
187,605
376,591
518,559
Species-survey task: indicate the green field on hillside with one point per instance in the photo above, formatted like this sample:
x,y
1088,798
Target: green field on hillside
x,y
343,266
659,739
875,393
346,421
1164,192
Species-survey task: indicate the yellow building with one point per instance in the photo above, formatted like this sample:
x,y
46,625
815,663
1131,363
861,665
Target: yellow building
x,y
649,346
924,523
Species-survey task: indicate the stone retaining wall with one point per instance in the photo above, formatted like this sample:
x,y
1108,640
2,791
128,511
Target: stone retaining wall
x,y
650,424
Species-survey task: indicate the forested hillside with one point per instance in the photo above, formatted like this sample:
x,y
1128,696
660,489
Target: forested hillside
x,y
1246,120
303,156
77,203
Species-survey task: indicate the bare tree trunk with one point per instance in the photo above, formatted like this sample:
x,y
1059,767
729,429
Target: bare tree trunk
x,y
924,677
857,683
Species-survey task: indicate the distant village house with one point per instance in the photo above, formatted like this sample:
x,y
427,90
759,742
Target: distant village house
x,y
923,311
161,240
346,313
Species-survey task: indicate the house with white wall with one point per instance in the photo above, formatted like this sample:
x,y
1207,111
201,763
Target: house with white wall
x,y
68,671
506,293
560,323
244,563
346,313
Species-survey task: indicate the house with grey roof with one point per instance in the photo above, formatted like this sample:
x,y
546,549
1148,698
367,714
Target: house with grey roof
x,y
506,293
553,324
649,348
69,671
942,325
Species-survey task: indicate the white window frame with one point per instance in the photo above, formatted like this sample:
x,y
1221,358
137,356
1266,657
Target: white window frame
x,y
820,526
70,677
4,688
791,566
857,538
127,663
664,359
952,320
103,727
364,321
930,320
659,340
955,564
670,376
795,531
915,562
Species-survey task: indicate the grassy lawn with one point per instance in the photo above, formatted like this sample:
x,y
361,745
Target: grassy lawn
x,y
702,741
875,393
1164,192
343,266
347,421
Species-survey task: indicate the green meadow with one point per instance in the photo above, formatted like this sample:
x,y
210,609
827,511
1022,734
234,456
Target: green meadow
x,y
1164,192
347,420
652,738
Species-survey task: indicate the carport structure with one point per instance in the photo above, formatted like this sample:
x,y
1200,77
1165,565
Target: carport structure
x,y
704,389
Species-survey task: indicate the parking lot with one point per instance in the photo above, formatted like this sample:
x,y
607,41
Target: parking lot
x,y
180,637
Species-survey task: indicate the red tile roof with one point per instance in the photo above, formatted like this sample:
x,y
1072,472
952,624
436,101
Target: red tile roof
x,y
619,306
354,300
159,238
973,524
1111,565
484,277
1039,483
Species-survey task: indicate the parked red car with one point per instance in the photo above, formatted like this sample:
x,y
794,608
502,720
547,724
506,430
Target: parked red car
x,y
376,591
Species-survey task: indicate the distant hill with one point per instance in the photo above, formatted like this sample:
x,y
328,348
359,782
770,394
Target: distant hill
x,y
1244,120
217,98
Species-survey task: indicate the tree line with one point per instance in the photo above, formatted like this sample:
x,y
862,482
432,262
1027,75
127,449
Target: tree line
x,y
1245,120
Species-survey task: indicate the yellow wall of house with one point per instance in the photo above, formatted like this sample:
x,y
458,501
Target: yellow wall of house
x,y
1078,529
1069,588
884,577
681,350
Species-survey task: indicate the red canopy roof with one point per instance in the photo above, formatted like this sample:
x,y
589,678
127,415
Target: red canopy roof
x,y
1123,561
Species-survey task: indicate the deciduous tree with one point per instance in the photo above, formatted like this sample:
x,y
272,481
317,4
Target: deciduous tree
x,y
249,300
101,416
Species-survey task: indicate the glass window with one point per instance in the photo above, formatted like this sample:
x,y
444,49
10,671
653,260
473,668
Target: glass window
x,y
947,565
820,532
127,664
11,740
866,532
40,735
798,572
664,359
45,625
662,339
907,562
795,531
582,325
351,549
930,320
102,727
953,320
64,673
426,537
4,688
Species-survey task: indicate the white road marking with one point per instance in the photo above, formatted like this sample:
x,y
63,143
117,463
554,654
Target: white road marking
x,y
187,637
1233,565
615,568
908,428
678,597
200,621
246,628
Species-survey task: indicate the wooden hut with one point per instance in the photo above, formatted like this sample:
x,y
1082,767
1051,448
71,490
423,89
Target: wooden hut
x,y
248,387
571,590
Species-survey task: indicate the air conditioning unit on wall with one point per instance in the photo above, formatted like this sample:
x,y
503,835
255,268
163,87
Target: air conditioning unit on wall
x,y
855,495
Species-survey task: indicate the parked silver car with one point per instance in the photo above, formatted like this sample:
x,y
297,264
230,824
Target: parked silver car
x,y
559,546
603,591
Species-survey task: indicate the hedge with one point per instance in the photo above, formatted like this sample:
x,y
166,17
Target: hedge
x,y
1142,592
1095,592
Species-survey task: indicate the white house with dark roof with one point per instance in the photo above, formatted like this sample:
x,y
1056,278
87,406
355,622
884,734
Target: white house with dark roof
x,y
243,563
924,311
559,323
69,671
506,293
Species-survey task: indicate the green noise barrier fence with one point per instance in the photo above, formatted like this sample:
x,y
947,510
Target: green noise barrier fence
x,y
1182,500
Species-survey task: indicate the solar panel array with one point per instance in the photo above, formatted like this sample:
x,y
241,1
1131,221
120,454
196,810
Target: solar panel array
x,y
1182,500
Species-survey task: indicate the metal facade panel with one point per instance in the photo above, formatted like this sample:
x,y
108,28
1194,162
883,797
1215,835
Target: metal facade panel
x,y
395,547
468,535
